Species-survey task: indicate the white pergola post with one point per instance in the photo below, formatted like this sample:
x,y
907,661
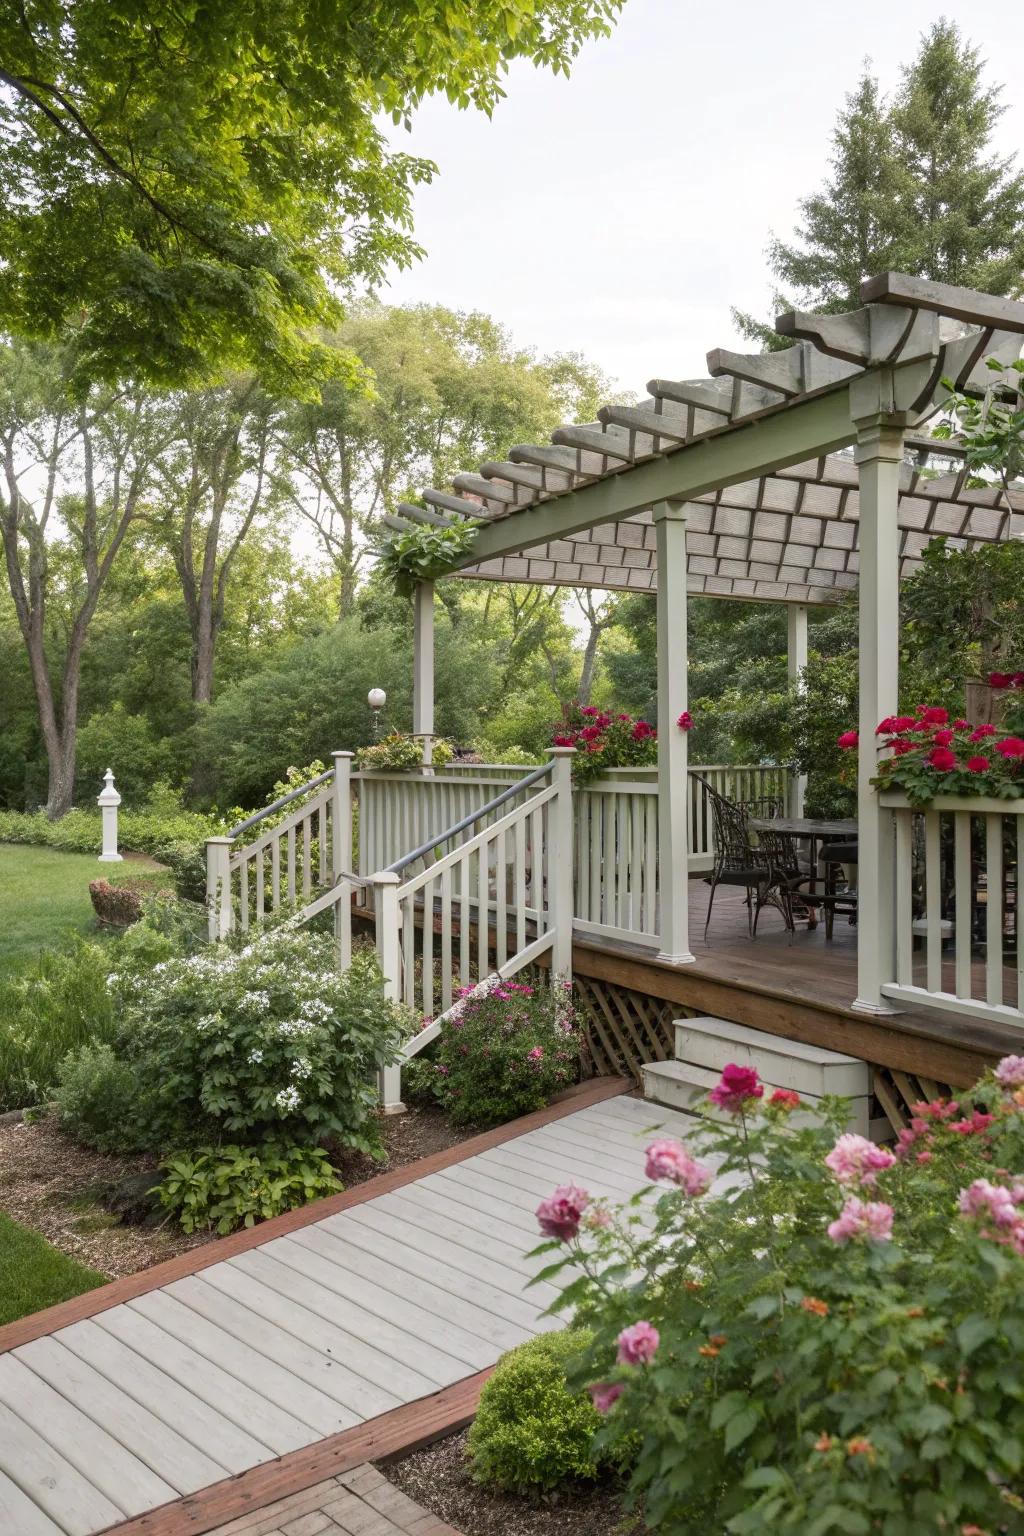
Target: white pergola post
x,y
108,801
879,456
796,661
673,755
423,666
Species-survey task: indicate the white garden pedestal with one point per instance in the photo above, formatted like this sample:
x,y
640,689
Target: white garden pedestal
x,y
108,801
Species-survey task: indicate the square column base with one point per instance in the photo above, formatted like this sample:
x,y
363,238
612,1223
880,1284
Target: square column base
x,y
682,959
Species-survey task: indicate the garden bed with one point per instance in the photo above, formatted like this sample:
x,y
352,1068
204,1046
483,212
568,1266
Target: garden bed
x,y
56,1187
438,1478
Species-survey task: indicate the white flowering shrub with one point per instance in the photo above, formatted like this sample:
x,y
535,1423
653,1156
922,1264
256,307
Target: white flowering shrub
x,y
263,1042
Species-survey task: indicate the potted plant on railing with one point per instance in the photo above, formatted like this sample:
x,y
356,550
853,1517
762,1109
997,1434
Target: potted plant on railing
x,y
399,752
604,741
934,761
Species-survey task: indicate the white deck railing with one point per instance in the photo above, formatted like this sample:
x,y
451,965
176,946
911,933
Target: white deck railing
x,y
959,944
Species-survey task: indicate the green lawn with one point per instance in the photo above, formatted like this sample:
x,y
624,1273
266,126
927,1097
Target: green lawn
x,y
33,1275
44,895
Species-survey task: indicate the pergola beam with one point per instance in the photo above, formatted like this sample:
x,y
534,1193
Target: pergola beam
x,y
802,429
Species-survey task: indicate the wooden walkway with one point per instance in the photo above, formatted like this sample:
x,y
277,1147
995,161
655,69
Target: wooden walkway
x,y
249,1350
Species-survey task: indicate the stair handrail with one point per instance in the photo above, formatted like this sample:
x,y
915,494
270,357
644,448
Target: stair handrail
x,y
467,821
268,810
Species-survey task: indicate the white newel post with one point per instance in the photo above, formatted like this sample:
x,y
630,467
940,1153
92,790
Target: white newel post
x,y
108,801
796,661
560,862
673,752
218,888
385,905
879,456
341,852
423,666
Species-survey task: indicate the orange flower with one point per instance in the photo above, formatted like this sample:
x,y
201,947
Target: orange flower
x,y
860,1445
708,1351
915,1311
693,1285
718,1339
824,1442
972,1530
816,1305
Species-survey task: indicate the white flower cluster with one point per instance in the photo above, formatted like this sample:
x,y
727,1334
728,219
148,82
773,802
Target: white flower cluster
x,y
288,1099
255,1057
301,1067
293,1029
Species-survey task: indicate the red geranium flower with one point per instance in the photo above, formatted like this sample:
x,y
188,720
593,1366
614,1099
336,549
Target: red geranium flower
x,y
961,725
999,679
900,748
943,738
564,741
981,731
642,731
591,732
848,740
942,759
978,764
1010,746
685,721
895,724
589,709
931,714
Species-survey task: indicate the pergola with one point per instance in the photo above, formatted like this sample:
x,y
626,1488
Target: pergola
x,y
793,477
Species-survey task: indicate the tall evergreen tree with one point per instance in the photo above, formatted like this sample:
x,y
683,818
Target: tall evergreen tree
x,y
913,189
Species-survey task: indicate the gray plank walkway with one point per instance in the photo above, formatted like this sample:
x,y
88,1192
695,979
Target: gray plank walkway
x,y
300,1337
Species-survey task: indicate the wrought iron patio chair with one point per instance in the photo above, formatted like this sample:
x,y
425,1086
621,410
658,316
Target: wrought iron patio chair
x,y
739,859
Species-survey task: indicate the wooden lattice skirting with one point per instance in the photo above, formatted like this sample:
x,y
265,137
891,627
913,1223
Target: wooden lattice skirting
x,y
625,1029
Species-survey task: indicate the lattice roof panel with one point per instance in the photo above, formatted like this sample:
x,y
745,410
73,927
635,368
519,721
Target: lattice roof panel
x,y
789,535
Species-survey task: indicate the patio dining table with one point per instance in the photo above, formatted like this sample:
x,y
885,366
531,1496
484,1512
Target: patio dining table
x,y
816,831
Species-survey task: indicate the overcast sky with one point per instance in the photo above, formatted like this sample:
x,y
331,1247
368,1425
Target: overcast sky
x,y
620,213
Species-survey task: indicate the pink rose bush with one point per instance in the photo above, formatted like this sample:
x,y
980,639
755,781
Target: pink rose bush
x,y
831,1324
501,1053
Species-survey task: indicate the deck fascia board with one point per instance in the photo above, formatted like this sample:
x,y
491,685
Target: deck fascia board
x,y
91,1303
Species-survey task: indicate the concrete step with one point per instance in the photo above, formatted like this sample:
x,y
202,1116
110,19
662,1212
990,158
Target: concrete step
x,y
781,1063
682,1086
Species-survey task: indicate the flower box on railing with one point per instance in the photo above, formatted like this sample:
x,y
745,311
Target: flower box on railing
x,y
977,805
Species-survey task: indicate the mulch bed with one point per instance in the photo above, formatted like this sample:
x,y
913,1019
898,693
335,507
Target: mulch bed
x,y
438,1478
50,1183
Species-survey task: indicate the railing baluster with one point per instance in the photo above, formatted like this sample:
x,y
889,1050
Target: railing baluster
x,y
636,844
322,870
260,903
408,918
651,865
275,874
482,912
446,939
307,855
904,897
243,914
963,901
291,864
597,808
933,900
465,914
427,1004
609,874
501,904
520,886
994,911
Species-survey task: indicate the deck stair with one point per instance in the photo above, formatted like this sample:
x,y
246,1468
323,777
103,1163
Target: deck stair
x,y
703,1046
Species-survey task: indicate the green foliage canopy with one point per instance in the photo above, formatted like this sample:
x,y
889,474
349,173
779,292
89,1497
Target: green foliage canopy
x,y
191,188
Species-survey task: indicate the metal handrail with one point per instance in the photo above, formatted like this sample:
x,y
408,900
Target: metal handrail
x,y
467,821
303,789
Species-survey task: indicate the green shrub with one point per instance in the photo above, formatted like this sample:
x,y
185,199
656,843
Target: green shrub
x,y
267,1041
229,1187
394,752
58,1005
98,1099
504,1053
531,1433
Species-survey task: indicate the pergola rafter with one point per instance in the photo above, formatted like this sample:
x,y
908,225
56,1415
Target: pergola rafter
x,y
758,453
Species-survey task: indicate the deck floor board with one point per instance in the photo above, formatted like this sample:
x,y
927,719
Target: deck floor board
x,y
296,1339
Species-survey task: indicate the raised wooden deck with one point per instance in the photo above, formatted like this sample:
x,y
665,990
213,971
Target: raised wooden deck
x,y
192,1392
800,987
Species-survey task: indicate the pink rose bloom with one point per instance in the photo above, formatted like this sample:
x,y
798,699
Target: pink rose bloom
x,y
857,1219
604,1394
735,1088
993,1201
855,1160
559,1214
1010,1072
638,1344
670,1160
